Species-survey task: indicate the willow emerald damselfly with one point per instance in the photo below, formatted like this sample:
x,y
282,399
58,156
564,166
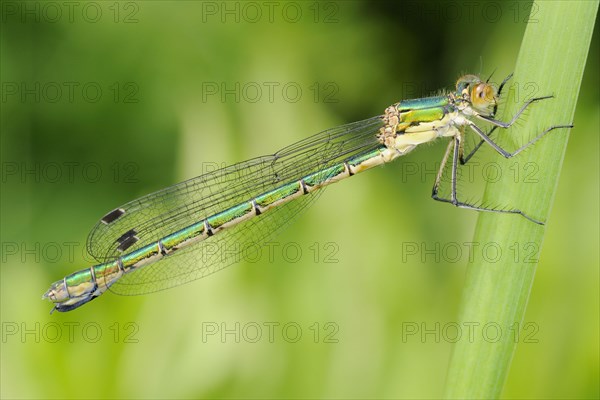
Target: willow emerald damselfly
x,y
162,240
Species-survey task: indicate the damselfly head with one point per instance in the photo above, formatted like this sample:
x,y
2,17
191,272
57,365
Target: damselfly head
x,y
481,95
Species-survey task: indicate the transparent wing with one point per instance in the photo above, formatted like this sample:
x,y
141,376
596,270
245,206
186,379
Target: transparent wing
x,y
154,216
240,242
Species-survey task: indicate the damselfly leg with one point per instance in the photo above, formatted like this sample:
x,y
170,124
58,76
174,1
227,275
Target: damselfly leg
x,y
457,145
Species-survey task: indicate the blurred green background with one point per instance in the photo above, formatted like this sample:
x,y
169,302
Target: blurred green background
x,y
103,102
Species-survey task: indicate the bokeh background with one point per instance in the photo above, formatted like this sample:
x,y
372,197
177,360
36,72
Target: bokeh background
x,y
103,102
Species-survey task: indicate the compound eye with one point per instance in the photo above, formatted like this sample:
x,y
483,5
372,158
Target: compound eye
x,y
483,95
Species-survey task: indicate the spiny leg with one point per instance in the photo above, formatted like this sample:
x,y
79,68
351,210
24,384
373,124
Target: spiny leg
x,y
464,160
500,90
485,137
453,198
515,117
438,178
458,155
505,153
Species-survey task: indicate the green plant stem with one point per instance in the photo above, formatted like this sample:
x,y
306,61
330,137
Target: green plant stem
x,y
552,60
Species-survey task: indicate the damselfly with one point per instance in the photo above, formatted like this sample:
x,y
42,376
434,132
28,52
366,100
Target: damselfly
x,y
163,239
